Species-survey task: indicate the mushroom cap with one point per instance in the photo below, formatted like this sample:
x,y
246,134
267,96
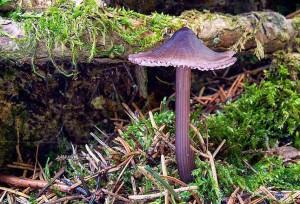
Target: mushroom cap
x,y
184,49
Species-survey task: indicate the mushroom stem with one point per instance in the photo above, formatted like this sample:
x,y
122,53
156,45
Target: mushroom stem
x,y
184,154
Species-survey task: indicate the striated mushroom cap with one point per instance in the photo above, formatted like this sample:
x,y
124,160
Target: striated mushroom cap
x,y
184,49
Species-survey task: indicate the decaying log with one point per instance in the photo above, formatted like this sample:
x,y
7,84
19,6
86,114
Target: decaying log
x,y
259,32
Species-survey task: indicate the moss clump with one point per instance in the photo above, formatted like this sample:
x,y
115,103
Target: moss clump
x,y
269,172
4,2
269,109
77,29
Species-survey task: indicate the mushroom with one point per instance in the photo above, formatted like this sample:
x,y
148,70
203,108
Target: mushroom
x,y
184,51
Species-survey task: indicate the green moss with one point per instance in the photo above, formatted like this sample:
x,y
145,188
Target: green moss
x,y
270,109
269,172
78,29
4,2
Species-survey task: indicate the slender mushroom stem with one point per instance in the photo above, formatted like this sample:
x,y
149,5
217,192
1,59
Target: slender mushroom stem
x,y
184,155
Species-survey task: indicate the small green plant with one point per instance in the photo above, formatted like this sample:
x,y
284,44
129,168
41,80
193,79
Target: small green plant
x,y
47,170
32,198
143,131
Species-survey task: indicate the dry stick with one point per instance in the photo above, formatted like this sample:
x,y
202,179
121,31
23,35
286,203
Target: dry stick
x,y
14,192
215,96
145,173
127,148
267,193
102,143
113,169
21,200
92,154
42,172
49,196
3,195
218,149
238,78
289,197
90,160
125,167
201,91
36,158
241,78
23,164
233,196
133,185
292,15
223,94
213,167
201,154
258,200
130,113
206,130
64,199
138,110
196,197
157,137
238,83
259,69
117,191
20,167
124,143
233,85
152,121
240,199
45,198
202,143
53,198
104,163
9,199
247,164
58,174
115,195
157,195
165,173
26,190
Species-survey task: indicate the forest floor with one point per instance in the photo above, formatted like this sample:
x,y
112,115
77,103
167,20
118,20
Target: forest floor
x,y
244,130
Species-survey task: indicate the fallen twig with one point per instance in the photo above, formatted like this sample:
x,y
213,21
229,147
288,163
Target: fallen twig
x,y
115,195
157,195
25,182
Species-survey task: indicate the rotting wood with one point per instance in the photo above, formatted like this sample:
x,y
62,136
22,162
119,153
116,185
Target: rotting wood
x,y
267,31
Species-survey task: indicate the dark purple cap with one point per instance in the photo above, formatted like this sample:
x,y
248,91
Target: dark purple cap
x,y
184,49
